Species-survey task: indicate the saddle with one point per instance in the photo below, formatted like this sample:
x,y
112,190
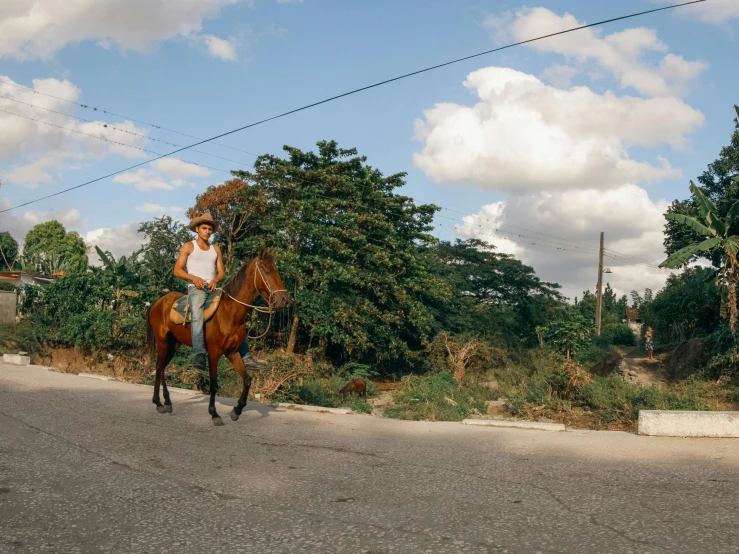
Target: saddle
x,y
180,313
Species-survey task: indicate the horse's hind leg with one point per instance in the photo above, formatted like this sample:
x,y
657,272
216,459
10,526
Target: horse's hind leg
x,y
213,366
172,346
165,352
238,365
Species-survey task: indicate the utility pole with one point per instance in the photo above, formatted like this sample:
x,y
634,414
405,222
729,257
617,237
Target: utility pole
x,y
599,299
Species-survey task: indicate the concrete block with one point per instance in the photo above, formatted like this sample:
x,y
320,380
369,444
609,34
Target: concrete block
x,y
511,423
307,408
16,359
684,423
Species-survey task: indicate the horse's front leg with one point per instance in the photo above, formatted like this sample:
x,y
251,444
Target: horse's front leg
x,y
238,365
213,357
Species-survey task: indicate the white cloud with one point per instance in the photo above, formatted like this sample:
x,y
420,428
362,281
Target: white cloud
x,y
39,151
713,11
144,180
167,174
524,135
31,29
119,241
619,53
632,223
156,208
560,75
19,225
177,169
220,48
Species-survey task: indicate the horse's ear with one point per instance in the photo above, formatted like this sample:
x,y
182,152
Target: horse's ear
x,y
262,251
273,254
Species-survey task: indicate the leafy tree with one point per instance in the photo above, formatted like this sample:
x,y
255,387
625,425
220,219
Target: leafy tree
x,y
688,305
8,251
166,236
494,295
50,249
717,238
231,204
348,248
719,185
569,333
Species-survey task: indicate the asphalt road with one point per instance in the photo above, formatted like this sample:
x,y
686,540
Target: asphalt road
x,y
90,466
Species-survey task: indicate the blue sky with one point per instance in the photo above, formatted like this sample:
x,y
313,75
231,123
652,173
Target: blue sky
x,y
266,57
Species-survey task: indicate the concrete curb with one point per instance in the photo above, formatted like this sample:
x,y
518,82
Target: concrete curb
x,y
534,425
98,377
307,408
16,359
684,423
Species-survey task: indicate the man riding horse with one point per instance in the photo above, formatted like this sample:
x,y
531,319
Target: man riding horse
x,y
201,264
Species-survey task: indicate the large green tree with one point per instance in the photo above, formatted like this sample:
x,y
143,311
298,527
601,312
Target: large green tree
x,y
718,184
494,295
8,251
50,249
348,248
165,238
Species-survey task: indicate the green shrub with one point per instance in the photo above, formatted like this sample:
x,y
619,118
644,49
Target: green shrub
x,y
620,334
436,397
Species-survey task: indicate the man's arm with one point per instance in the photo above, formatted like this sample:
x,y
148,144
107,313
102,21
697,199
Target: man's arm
x,y
219,266
179,266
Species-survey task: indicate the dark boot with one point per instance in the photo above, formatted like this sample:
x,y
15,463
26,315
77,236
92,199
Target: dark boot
x,y
200,364
251,363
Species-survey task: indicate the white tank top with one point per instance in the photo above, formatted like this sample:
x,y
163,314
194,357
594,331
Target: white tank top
x,y
202,263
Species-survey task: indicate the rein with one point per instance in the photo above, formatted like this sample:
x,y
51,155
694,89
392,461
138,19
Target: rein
x,y
260,309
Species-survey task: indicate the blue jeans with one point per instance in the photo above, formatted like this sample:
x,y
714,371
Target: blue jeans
x,y
196,298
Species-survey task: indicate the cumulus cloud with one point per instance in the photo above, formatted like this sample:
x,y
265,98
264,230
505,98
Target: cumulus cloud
x,y
167,174
19,224
177,169
33,29
714,11
560,75
220,48
524,135
622,53
157,209
40,150
632,223
119,241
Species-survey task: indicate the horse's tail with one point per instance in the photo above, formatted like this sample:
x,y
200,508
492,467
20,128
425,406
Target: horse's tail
x,y
150,339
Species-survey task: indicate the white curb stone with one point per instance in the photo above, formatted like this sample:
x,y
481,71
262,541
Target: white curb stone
x,y
307,408
684,423
16,359
98,377
539,426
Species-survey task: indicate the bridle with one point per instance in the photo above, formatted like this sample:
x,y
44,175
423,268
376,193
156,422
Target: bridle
x,y
261,309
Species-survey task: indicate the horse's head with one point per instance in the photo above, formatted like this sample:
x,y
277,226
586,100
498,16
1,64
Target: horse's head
x,y
268,280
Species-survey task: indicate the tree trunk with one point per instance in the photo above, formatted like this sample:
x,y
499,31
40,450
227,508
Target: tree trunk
x,y
568,354
293,332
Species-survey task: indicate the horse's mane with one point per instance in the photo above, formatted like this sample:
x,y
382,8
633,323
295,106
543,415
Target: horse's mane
x,y
237,281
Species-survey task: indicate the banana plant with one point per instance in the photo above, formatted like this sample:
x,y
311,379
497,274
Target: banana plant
x,y
717,238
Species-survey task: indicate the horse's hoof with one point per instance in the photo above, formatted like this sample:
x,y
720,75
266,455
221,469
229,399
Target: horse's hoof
x,y
217,421
166,409
234,415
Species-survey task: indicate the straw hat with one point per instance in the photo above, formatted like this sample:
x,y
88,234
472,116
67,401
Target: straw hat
x,y
205,218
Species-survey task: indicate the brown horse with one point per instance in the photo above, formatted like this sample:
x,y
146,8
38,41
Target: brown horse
x,y
357,386
224,333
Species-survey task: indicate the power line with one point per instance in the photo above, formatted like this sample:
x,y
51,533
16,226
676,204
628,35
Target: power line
x,y
106,140
355,91
592,248
105,125
108,112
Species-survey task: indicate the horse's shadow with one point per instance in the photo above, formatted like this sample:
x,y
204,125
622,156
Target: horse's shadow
x,y
264,410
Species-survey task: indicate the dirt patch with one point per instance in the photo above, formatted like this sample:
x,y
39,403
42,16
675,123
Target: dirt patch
x,y
67,360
